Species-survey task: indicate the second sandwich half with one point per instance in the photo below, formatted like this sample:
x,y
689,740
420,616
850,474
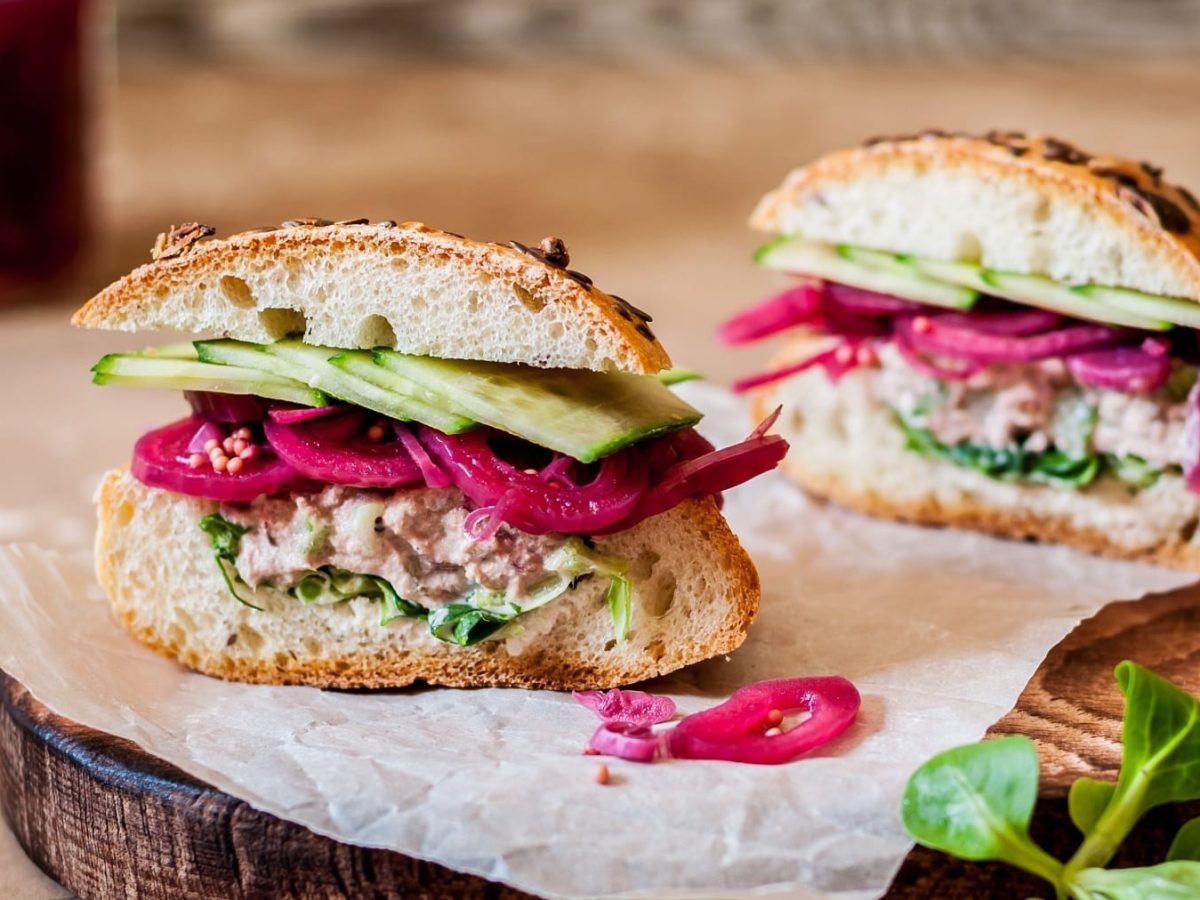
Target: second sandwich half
x,y
413,456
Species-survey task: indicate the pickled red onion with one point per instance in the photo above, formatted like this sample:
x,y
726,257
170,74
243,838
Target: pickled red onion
x,y
533,505
160,459
792,307
630,707
736,730
820,359
1013,323
434,476
927,367
626,740
742,729
930,335
860,302
205,433
217,407
490,519
1129,370
325,450
288,416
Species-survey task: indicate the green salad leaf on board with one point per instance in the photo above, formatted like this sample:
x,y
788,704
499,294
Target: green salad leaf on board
x,y
976,802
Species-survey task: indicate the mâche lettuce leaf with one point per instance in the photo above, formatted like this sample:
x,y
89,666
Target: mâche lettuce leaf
x,y
481,614
976,801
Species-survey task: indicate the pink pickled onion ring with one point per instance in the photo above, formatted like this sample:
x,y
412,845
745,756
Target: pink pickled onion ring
x,y
1157,346
217,407
736,730
559,471
205,433
745,384
327,450
624,740
492,518
766,424
933,370
630,707
794,306
860,302
708,474
433,475
1129,370
930,336
160,459
533,505
286,416
1013,323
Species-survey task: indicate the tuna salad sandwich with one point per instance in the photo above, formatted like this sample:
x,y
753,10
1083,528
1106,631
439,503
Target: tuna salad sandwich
x,y
994,332
412,457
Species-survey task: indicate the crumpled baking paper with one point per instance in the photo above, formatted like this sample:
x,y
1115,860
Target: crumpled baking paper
x,y
939,630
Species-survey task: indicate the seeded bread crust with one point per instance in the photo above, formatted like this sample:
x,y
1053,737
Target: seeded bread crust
x,y
696,596
1028,204
847,448
408,286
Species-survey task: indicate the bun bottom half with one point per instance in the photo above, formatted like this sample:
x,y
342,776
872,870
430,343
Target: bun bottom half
x,y
847,447
695,594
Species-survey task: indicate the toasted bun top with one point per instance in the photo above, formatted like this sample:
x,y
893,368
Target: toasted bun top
x,y
356,285
1028,204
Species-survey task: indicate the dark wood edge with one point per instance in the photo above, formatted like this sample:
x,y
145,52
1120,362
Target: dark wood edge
x,y
106,819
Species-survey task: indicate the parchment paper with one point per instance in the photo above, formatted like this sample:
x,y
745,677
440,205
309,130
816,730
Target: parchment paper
x,y
939,630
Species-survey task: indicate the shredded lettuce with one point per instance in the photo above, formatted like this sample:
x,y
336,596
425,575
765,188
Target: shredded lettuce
x,y
226,538
481,615
1133,470
329,584
1015,463
488,615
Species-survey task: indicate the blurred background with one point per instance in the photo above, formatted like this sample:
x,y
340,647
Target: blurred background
x,y
641,131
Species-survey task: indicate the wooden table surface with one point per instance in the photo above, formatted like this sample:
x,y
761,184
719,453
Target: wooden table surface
x,y
649,176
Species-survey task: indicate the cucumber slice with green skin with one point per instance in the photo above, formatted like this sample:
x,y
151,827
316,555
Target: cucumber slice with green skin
x,y
423,406
182,350
678,376
586,415
311,365
1152,306
892,277
174,373
1033,290
964,273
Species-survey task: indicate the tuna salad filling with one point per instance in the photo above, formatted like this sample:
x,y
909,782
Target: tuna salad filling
x,y
410,551
1035,422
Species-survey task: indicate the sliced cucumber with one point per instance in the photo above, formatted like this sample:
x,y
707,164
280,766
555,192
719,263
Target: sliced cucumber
x,y
928,280
586,415
964,273
1152,306
311,365
157,371
677,375
424,406
863,269
1034,290
182,350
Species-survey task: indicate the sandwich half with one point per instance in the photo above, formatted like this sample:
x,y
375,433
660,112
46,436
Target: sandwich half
x,y
996,333
412,457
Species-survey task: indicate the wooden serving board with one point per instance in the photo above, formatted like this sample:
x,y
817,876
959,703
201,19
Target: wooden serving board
x,y
106,819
